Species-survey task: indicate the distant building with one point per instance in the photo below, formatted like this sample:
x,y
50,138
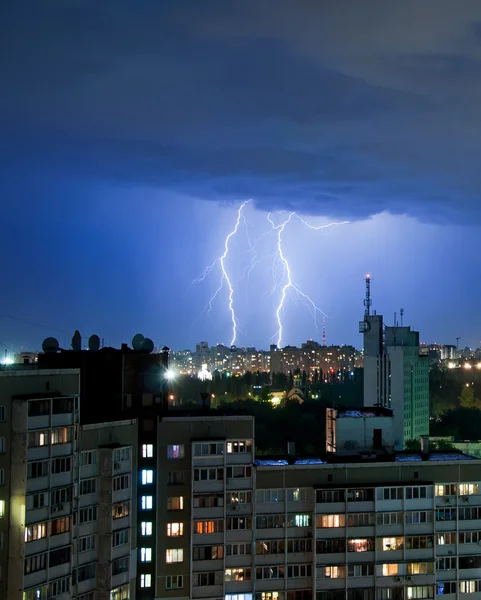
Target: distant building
x,y
396,375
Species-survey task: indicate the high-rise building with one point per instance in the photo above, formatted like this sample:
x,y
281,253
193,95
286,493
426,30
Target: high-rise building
x,y
66,493
396,374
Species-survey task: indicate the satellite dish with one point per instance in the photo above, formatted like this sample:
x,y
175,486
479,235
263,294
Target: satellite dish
x,y
94,343
138,342
77,341
50,344
148,345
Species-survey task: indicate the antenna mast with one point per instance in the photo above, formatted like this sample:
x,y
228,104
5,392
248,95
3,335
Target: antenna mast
x,y
367,300
401,312
324,331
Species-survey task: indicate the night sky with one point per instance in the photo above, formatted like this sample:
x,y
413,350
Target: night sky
x,y
130,133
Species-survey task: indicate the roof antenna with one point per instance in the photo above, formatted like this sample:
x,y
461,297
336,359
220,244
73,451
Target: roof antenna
x,y
401,312
367,300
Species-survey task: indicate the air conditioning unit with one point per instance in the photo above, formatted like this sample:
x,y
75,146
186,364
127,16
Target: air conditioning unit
x,y
409,578
117,466
446,500
465,499
53,509
398,578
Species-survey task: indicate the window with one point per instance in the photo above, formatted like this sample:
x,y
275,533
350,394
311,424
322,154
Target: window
x,y
175,529
145,580
390,493
268,573
296,571
146,555
241,574
466,513
147,450
2,445
209,474
266,496
446,563
360,519
209,578
389,569
35,563
445,489
445,538
174,555
175,503
121,509
88,486
214,526
299,520
234,523
360,495
420,568
2,414
122,454
331,572
62,405
298,495
242,596
146,528
301,545
448,587
413,493
419,592
269,521
413,517
63,435
37,469
61,495
147,476
174,582
238,549
120,593
120,538
323,496
2,508
391,543
175,478
469,537
87,515
62,525
35,532
468,489
238,497
62,465
270,547
360,545
88,458
120,565
121,483
2,476
60,556
60,586
239,472
86,543
146,502
176,451
209,449
208,553
416,542
208,500
360,570
330,521
37,439
239,446
331,546
37,408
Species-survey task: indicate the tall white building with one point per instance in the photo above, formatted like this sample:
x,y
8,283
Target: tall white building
x,y
396,374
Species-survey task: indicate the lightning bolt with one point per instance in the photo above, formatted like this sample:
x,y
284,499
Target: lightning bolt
x,y
225,279
287,281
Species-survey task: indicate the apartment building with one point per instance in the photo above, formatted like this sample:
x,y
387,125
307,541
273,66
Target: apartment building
x,y
67,495
403,526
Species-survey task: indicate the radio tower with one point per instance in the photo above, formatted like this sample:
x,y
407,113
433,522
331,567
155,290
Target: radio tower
x,y
367,301
324,331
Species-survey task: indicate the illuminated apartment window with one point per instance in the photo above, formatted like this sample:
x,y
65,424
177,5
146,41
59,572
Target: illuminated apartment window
x,y
174,555
360,545
2,508
175,503
147,476
120,510
468,489
390,569
176,451
392,543
62,435
145,580
146,502
175,529
298,495
448,489
238,574
35,532
146,555
333,572
421,568
240,596
146,528
147,450
330,521
239,446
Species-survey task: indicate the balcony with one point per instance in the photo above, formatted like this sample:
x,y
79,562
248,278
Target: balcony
x,y
208,591
37,483
120,579
59,571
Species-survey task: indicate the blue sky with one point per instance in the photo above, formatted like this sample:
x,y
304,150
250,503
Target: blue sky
x,y
131,132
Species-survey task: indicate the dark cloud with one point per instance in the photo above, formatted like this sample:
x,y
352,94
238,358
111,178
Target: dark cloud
x,y
330,108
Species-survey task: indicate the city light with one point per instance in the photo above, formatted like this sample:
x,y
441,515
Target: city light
x,y
7,360
275,401
169,374
451,365
467,366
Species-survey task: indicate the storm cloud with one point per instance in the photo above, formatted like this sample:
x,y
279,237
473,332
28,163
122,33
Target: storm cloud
x,y
342,108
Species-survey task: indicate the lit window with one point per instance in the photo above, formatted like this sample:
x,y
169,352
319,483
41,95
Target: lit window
x,y
146,502
2,508
468,489
175,451
146,555
174,555
146,580
330,520
147,450
175,503
175,529
147,476
390,569
146,528
392,543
